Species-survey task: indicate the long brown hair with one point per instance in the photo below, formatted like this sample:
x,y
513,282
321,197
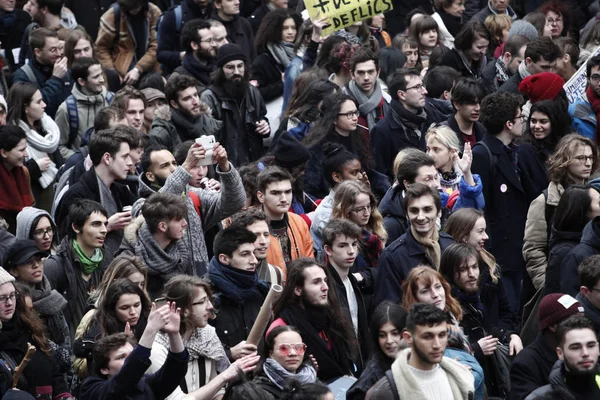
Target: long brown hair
x,y
182,289
123,266
427,276
28,320
558,164
459,226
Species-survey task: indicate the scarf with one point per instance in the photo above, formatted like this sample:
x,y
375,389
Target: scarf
x,y
450,181
368,105
452,23
328,347
106,197
371,247
299,130
279,375
203,343
282,52
595,103
166,263
432,246
197,69
234,284
523,71
39,146
89,264
415,122
16,189
188,128
456,336
502,73
49,304
471,298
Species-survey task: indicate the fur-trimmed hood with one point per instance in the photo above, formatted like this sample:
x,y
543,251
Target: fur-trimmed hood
x,y
163,112
131,231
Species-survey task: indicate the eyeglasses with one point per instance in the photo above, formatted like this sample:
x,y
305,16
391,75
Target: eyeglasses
x,y
285,349
583,159
361,210
350,114
418,88
554,21
40,233
595,78
210,41
521,117
12,297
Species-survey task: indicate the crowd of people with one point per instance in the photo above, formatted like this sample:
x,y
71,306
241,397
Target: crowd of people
x,y
214,200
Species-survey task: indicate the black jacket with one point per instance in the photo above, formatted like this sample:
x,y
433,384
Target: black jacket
x,y
6,240
374,371
531,368
400,11
589,246
438,110
507,197
263,382
560,245
512,85
490,77
192,67
454,60
478,130
239,32
397,260
394,216
12,32
267,73
88,13
583,387
257,16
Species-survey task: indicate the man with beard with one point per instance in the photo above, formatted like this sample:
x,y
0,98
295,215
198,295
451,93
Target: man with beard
x,y
422,371
585,109
306,304
185,118
577,373
200,52
238,105
495,74
466,98
77,114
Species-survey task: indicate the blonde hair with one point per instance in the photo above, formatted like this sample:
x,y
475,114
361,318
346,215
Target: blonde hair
x,y
496,23
445,136
343,202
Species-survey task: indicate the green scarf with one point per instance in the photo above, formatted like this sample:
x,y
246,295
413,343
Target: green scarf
x,y
89,264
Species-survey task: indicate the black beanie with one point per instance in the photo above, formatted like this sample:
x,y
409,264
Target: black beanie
x,y
289,152
230,52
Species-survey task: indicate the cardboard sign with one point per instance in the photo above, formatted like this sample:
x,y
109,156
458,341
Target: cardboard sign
x,y
343,13
575,87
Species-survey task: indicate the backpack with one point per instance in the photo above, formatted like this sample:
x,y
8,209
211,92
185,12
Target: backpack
x,y
74,115
493,158
178,20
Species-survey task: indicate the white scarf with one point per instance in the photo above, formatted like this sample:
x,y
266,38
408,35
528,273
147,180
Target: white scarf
x,y
39,146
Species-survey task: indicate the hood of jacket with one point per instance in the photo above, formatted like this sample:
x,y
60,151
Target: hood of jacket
x,y
563,236
591,234
89,100
144,189
443,106
25,219
130,233
162,113
391,204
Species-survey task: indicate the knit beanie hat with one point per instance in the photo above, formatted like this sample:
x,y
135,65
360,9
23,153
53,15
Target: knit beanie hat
x,y
523,28
556,307
230,52
289,152
543,86
5,277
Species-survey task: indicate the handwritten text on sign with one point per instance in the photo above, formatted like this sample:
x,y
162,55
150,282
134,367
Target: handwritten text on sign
x,y
343,13
575,87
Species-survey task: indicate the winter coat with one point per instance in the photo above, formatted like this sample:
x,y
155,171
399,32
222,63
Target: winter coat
x,y
87,108
472,7
320,218
12,32
54,90
453,59
590,311
535,240
166,132
215,206
257,16
131,383
64,271
239,32
6,240
374,371
197,70
512,84
87,12
584,118
238,134
490,78
589,246
478,130
119,54
438,110
400,11
301,243
394,216
397,260
560,245
531,368
557,380
267,72
487,11
507,197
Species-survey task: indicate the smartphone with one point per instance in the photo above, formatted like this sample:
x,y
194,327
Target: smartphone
x,y
161,301
208,142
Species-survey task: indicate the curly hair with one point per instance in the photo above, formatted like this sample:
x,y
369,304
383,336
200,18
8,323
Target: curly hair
x,y
559,117
427,276
339,58
499,108
269,31
561,9
558,164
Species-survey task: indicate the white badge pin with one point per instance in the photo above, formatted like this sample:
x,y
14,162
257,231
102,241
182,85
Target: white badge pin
x,y
503,188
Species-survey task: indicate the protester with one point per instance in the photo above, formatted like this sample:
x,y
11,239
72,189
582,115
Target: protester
x,y
583,109
133,103
448,16
439,82
15,24
495,7
588,276
497,73
239,31
470,48
426,31
37,225
466,96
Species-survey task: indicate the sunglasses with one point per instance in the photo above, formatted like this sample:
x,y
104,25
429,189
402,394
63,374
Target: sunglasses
x,y
285,349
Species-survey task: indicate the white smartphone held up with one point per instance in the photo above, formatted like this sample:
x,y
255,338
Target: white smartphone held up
x,y
208,142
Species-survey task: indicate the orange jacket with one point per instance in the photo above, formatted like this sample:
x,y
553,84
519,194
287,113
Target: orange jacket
x,y
300,240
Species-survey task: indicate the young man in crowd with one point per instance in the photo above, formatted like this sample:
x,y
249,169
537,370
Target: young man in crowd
x,y
157,239
540,56
366,89
585,118
185,118
290,237
422,244
77,113
341,245
566,65
15,182
577,375
531,368
256,222
170,51
154,99
133,102
46,69
76,268
200,52
238,28
109,153
495,74
422,371
307,305
466,98
512,177
495,7
439,82
589,276
239,293
219,33
205,209
405,125
15,24
234,102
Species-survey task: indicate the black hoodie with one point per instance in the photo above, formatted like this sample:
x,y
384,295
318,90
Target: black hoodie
x,y
589,246
394,217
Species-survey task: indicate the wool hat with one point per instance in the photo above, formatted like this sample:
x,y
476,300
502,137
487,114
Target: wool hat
x,y
542,86
289,152
20,252
556,307
230,52
152,94
523,28
5,277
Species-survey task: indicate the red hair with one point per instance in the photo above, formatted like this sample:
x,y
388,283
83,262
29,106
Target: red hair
x,y
561,10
